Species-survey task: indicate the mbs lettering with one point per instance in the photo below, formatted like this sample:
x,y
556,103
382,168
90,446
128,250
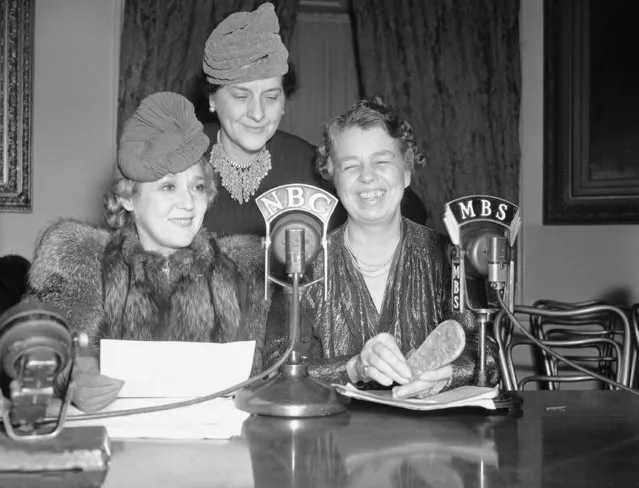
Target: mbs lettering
x,y
483,208
456,271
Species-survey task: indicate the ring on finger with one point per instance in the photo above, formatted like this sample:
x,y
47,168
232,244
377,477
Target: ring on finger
x,y
363,371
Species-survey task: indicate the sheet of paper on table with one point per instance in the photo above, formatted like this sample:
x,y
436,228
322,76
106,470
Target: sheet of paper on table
x,y
165,369
464,396
159,373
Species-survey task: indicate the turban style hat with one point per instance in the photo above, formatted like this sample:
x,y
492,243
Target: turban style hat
x,y
163,136
246,46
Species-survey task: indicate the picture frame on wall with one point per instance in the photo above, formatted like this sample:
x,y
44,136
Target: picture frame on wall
x,y
591,101
16,103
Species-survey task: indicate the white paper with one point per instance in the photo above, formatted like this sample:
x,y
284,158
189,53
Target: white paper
x,y
167,369
215,419
464,396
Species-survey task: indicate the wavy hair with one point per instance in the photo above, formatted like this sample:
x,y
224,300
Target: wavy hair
x,y
366,114
116,216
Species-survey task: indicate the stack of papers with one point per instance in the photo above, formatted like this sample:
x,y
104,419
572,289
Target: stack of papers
x,y
464,396
160,373
215,419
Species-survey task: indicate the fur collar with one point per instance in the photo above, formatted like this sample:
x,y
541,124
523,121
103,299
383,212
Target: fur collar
x,y
152,297
144,264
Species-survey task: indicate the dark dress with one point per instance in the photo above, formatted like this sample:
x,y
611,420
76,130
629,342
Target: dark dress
x,y
292,160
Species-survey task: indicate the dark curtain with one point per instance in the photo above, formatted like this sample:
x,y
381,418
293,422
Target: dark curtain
x,y
452,68
163,44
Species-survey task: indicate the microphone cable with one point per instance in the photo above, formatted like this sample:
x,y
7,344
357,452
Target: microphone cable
x,y
557,356
193,401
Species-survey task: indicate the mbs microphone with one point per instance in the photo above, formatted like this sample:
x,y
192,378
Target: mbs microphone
x,y
482,230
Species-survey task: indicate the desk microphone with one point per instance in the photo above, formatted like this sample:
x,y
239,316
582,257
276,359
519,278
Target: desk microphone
x,y
483,230
296,219
35,347
36,351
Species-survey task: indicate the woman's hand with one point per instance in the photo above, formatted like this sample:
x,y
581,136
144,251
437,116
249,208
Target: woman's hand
x,y
429,383
93,391
381,361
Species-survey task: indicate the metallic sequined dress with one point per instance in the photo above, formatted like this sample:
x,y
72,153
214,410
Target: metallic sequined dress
x,y
416,300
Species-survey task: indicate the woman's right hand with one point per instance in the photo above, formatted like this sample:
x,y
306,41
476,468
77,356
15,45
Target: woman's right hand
x,y
380,361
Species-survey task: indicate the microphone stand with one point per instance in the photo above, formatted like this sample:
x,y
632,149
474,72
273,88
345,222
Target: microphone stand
x,y
484,317
292,392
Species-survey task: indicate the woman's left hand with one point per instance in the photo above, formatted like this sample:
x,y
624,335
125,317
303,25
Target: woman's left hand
x,y
429,383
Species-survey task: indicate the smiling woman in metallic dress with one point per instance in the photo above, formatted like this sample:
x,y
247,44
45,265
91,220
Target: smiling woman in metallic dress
x,y
388,277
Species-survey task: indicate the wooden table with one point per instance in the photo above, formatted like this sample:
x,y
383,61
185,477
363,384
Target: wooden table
x,y
563,439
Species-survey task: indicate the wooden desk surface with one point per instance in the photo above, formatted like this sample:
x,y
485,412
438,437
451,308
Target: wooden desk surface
x,y
563,439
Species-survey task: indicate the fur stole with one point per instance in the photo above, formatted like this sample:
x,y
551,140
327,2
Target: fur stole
x,y
191,295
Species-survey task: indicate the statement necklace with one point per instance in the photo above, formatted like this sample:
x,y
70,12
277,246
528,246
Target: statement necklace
x,y
241,180
367,269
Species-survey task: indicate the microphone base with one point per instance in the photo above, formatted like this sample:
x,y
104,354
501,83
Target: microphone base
x,y
510,402
291,393
77,454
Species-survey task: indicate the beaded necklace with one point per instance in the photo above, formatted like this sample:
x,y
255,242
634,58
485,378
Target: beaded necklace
x,y
241,180
367,269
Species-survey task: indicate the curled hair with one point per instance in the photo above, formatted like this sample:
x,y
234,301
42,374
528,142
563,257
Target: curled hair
x,y
117,217
366,114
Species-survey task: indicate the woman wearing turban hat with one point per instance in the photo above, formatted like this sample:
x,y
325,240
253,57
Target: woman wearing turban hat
x,y
156,274
247,70
246,67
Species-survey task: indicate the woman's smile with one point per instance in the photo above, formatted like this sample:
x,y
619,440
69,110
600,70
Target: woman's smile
x,y
256,129
182,222
372,196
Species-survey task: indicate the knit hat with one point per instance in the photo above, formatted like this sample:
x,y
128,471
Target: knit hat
x,y
163,136
246,46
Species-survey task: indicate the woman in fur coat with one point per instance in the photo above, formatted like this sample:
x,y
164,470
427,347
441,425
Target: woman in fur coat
x,y
156,274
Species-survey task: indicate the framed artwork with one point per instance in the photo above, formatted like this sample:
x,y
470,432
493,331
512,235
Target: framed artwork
x,y
16,83
591,107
